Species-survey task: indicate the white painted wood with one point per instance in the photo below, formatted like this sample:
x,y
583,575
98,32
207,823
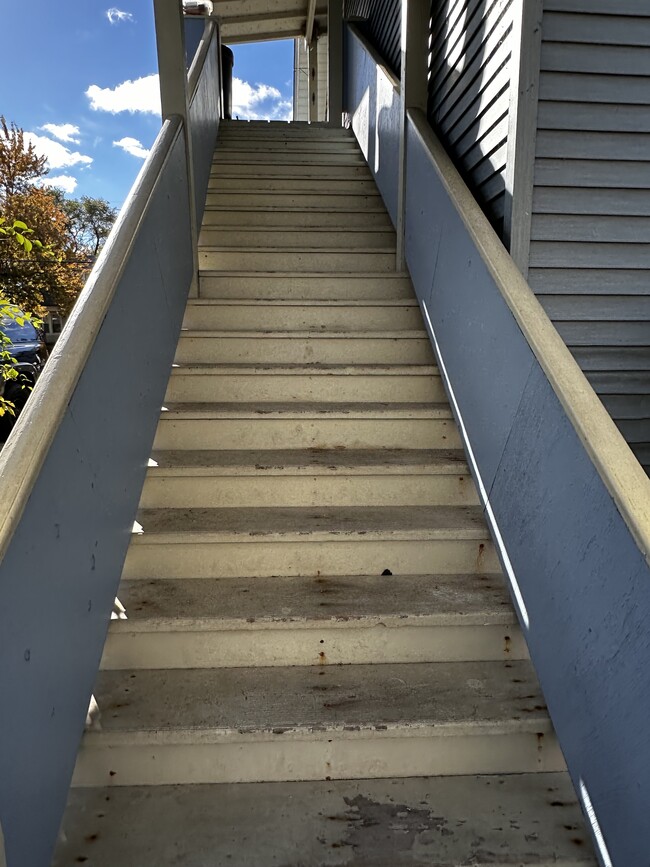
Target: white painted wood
x,y
294,218
335,62
413,94
522,128
402,821
193,623
331,426
296,317
288,285
300,348
170,45
309,238
306,260
312,49
234,383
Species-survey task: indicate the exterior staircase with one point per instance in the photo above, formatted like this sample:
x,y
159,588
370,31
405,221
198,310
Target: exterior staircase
x,y
313,605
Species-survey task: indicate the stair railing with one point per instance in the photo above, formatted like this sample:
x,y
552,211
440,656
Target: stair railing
x,y
567,502
72,470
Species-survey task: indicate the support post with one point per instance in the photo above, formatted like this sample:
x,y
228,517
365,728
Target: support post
x,y
170,44
413,94
312,54
335,62
522,129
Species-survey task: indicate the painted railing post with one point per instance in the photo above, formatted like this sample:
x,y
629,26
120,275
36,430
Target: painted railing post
x,y
413,93
170,43
522,129
335,61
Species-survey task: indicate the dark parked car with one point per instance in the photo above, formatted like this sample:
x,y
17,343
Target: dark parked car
x,y
29,353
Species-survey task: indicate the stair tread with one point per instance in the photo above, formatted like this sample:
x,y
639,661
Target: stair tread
x,y
302,409
305,524
438,821
344,602
159,705
308,460
316,368
311,334
292,302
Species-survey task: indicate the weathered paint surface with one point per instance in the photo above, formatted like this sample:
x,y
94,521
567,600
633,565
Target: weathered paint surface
x,y
582,577
373,102
63,565
204,124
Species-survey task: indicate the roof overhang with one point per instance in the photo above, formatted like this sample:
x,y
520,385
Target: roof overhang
x,y
260,20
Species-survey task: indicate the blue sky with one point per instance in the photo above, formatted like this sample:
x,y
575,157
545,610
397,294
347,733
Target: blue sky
x,y
80,79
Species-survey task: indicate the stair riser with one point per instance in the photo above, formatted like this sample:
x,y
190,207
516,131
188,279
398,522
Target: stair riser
x,y
290,170
250,388
298,238
316,151
346,757
251,491
294,318
307,433
307,260
282,155
299,350
307,287
291,646
347,185
282,198
296,219
259,559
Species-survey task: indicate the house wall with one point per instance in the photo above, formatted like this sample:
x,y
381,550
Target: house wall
x,y
380,21
589,255
469,93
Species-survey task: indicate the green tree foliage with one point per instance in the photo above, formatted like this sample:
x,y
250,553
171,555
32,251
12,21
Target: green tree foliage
x,y
71,230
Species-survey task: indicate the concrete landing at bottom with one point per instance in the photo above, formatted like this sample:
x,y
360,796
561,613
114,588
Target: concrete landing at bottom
x,y
501,821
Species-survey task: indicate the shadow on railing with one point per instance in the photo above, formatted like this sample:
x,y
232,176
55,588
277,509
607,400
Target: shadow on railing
x,y
73,468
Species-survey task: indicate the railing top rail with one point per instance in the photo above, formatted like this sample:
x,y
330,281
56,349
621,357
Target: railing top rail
x,y
616,464
24,453
198,62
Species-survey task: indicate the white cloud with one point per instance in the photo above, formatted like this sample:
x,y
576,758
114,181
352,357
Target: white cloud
x,y
116,15
258,102
66,132
62,182
58,156
250,101
141,95
132,146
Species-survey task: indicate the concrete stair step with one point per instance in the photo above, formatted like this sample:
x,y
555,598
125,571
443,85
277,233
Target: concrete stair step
x,y
297,425
202,622
296,382
294,218
309,316
241,285
307,477
303,199
306,260
521,820
263,542
161,727
297,238
302,347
